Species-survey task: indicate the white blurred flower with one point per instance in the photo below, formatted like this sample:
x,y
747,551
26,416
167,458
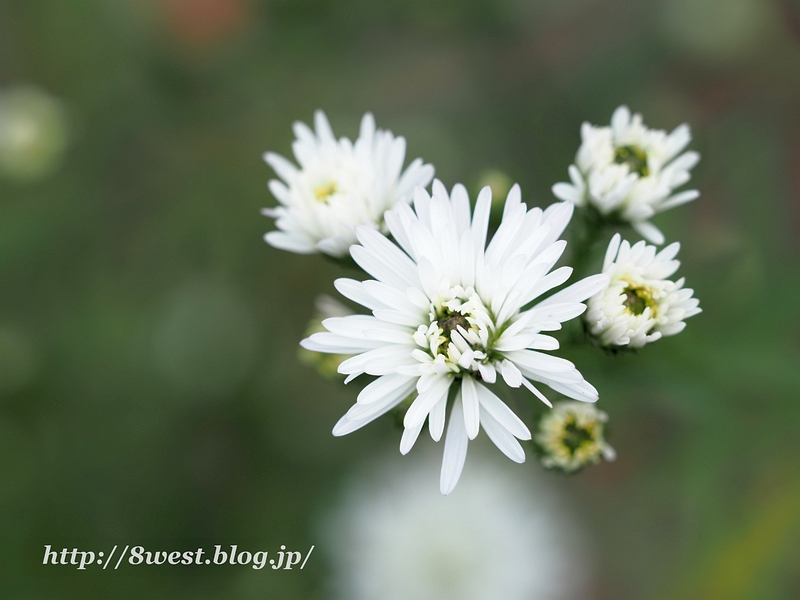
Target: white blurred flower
x,y
33,133
327,365
570,437
640,305
447,310
338,186
630,172
500,537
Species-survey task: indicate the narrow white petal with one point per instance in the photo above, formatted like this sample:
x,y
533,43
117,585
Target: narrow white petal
x,y
331,343
513,200
455,449
536,392
386,386
290,242
354,290
425,402
410,435
649,232
380,361
472,418
502,438
502,413
578,291
480,219
397,260
511,374
611,252
436,419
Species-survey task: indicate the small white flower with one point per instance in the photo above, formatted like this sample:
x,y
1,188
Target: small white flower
x,y
33,133
338,186
448,310
326,365
630,171
571,437
504,537
640,305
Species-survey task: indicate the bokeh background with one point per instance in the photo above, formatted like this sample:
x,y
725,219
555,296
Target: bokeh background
x,y
150,389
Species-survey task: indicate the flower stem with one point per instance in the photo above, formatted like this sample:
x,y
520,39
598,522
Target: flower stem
x,y
587,232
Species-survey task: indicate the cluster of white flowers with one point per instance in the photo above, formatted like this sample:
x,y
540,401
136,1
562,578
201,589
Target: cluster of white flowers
x,y
454,310
630,171
339,185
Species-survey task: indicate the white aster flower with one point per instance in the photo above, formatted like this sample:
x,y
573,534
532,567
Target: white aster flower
x,y
448,310
571,437
500,537
339,185
640,305
630,172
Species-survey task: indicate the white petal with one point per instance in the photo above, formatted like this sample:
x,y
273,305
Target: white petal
x,y
567,192
394,258
331,343
472,415
513,200
480,219
359,415
536,392
455,449
386,386
425,402
511,374
436,419
354,290
611,251
649,232
410,435
381,361
678,199
282,167
502,413
506,442
290,242
578,291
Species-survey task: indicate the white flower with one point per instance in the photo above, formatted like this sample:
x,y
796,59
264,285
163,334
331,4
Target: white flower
x,y
571,436
33,133
338,186
326,365
392,537
630,171
640,305
447,309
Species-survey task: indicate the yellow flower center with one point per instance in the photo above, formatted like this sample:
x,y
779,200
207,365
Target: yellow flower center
x,y
325,191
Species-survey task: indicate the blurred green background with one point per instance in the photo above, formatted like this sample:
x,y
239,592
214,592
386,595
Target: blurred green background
x,y
150,390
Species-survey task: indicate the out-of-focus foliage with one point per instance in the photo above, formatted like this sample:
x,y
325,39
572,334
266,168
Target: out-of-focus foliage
x,y
150,390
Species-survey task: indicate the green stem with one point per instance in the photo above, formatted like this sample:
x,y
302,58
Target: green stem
x,y
589,227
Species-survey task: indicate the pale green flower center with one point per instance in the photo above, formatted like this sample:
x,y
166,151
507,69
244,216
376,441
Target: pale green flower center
x,y
575,436
638,298
633,156
579,438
